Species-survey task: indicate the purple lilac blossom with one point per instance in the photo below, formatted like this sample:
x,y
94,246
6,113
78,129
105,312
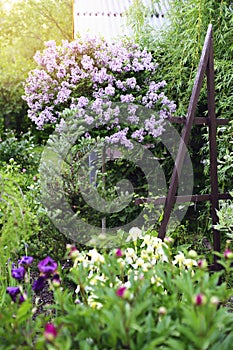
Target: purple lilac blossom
x,y
120,138
87,62
131,82
138,135
88,119
109,90
133,119
82,102
101,76
109,71
120,85
127,98
132,109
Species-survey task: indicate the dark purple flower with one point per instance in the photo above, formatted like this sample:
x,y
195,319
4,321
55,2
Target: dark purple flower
x,y
18,273
26,260
21,298
47,266
50,332
39,284
14,292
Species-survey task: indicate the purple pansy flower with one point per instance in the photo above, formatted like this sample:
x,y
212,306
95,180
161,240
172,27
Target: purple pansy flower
x,y
26,260
47,266
13,292
39,284
18,273
21,298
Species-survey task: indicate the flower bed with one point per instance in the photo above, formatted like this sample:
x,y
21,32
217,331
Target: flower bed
x,y
143,295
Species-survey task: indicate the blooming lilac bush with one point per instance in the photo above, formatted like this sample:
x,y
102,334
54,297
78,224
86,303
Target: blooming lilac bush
x,y
91,75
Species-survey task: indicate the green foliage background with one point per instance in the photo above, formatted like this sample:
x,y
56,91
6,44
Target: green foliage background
x,y
177,48
23,30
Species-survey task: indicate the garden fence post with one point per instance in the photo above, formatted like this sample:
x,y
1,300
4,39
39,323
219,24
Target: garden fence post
x,y
213,149
170,200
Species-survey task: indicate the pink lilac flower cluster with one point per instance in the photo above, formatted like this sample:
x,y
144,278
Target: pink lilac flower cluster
x,y
91,75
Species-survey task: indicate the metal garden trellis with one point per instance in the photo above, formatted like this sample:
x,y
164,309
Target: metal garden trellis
x,y
206,65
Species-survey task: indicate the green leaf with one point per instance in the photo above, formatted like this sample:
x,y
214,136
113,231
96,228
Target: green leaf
x,y
24,312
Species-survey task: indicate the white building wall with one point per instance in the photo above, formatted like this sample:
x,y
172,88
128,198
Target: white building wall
x,y
107,17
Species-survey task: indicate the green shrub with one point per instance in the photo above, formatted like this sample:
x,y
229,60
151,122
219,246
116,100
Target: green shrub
x,y
22,149
18,220
225,215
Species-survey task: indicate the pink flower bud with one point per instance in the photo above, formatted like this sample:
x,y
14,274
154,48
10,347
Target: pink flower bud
x,y
168,240
119,253
202,264
162,311
121,291
56,281
199,299
50,332
228,254
73,251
